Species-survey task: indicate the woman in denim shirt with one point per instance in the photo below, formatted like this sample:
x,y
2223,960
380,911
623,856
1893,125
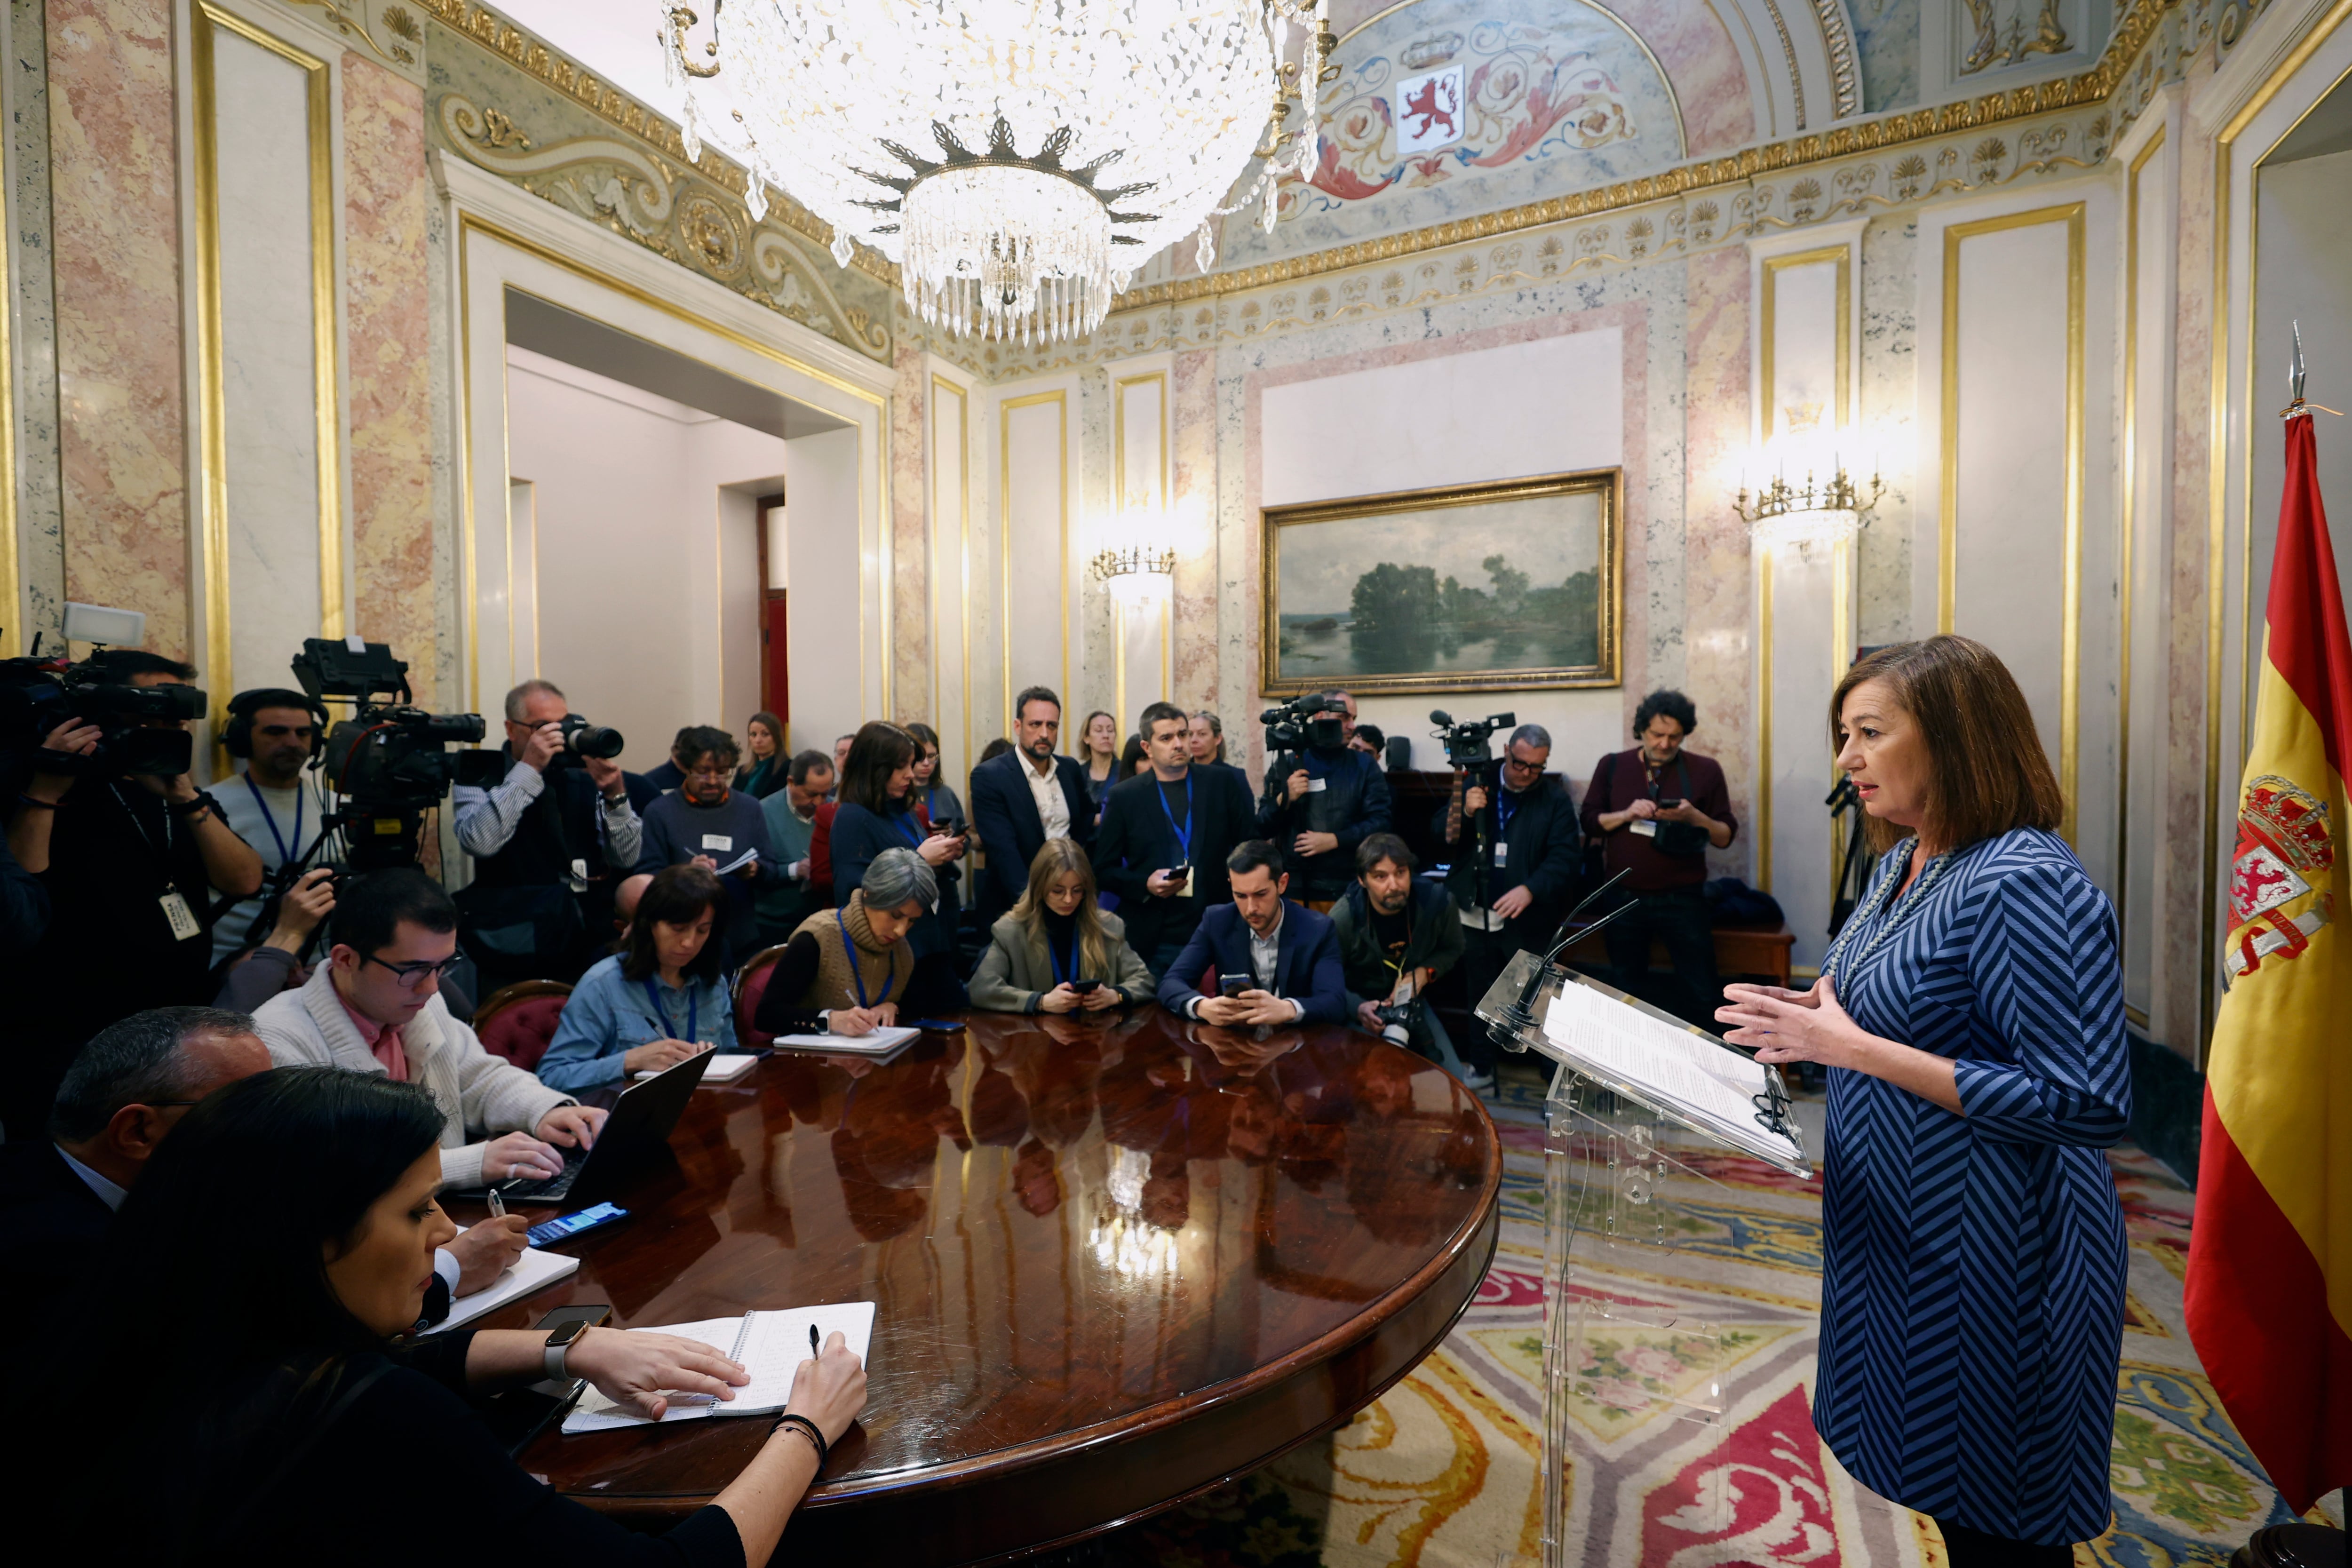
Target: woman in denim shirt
x,y
657,1004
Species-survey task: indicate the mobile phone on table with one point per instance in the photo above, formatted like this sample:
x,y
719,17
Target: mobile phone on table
x,y
950,1024
520,1415
1083,986
547,1233
1234,984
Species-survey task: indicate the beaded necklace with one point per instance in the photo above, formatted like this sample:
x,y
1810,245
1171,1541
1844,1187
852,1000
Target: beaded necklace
x,y
1928,876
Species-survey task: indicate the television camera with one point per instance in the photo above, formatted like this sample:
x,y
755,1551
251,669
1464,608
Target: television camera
x,y
389,760
1313,723
1466,744
37,694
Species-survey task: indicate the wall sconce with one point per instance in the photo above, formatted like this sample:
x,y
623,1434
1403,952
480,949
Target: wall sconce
x,y
1136,559
1802,490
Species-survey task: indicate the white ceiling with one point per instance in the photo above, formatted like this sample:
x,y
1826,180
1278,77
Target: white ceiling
x,y
617,40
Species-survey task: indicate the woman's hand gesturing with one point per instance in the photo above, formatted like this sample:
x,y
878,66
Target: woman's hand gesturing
x,y
1786,1025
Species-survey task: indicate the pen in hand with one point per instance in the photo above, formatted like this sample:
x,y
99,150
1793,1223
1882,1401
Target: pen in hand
x,y
497,1205
815,1348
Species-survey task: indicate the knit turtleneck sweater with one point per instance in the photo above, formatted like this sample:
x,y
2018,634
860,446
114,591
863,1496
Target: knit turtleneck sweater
x,y
884,970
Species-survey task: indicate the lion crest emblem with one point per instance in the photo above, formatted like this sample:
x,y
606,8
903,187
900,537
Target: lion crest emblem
x,y
2284,851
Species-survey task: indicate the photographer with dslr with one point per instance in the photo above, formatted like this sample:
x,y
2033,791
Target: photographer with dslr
x,y
1396,935
549,842
127,853
1661,809
1323,797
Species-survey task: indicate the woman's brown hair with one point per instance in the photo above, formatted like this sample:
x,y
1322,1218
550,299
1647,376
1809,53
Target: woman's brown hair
x,y
1055,857
677,897
1986,773
879,750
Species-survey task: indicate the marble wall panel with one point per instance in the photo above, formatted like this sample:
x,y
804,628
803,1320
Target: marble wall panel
x,y
1888,397
1194,430
32,337
123,432
1713,608
910,645
390,371
1710,86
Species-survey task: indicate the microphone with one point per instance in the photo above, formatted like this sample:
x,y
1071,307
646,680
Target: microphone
x,y
1441,717
1521,1014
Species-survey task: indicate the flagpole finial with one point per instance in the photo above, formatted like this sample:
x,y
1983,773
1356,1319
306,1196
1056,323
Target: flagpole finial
x,y
2297,408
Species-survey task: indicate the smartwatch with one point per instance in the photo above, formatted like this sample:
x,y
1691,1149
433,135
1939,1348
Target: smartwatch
x,y
559,1343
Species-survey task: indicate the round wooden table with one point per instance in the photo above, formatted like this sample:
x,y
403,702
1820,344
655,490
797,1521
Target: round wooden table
x,y
1114,1262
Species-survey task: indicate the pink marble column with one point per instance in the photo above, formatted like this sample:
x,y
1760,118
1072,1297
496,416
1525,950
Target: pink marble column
x,y
123,435
1193,423
1719,638
910,653
386,199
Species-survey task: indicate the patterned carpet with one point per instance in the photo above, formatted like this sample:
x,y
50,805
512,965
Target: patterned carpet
x,y
1443,1469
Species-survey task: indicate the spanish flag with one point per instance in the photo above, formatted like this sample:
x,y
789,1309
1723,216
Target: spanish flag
x,y
2270,1258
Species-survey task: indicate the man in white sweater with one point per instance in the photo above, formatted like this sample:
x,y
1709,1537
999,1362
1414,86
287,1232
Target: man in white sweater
x,y
375,1006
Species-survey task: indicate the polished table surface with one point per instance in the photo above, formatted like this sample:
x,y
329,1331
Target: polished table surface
x,y
1115,1262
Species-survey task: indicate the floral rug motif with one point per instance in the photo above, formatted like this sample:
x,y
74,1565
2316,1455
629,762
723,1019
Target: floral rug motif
x,y
1442,1470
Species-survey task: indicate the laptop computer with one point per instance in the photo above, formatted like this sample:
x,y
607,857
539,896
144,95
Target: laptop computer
x,y
640,1125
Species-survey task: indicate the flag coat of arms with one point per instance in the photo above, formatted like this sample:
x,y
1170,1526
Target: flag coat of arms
x,y
2269,1293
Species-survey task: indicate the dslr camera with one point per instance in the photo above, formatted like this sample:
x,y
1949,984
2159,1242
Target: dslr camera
x,y
1466,744
1312,723
389,760
1398,1021
38,694
582,739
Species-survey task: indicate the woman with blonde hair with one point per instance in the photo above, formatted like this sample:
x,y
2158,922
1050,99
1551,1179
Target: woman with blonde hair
x,y
1098,754
1055,952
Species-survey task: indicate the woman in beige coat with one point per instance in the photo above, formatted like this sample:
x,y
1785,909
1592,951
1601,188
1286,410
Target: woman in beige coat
x,y
1056,952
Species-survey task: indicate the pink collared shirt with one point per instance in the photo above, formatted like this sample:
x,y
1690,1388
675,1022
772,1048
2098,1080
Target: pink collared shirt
x,y
381,1039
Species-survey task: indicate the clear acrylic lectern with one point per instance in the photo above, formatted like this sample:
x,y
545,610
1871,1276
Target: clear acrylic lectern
x,y
1618,1147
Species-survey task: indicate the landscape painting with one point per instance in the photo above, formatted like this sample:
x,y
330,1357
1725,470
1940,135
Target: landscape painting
x,y
1471,588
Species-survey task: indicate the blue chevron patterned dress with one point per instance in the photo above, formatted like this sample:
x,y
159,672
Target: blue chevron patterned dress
x,y
1972,1291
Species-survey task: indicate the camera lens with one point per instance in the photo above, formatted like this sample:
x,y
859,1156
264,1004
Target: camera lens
x,y
1397,1035
596,740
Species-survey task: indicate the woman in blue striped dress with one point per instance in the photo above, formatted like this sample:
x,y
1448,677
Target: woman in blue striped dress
x,y
1971,1018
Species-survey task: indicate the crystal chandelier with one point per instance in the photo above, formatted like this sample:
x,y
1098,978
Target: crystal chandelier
x,y
1018,159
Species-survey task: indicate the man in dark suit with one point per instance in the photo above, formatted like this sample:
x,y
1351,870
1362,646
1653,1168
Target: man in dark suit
x,y
1184,814
1286,953
126,1089
1025,798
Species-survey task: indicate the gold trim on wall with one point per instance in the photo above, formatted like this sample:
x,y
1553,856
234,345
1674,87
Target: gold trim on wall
x,y
2070,657
2217,482
1608,484
334,599
1118,436
1120,498
13,641
1842,255
471,224
2128,514
1059,397
942,387
1764,720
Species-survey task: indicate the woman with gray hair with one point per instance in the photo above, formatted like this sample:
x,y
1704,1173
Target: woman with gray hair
x,y
850,970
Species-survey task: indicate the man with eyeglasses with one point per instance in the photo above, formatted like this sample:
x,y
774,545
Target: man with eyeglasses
x,y
375,1006
1516,861
716,826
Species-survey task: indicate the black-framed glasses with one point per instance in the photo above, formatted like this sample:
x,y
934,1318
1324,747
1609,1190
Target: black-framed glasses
x,y
412,975
1517,766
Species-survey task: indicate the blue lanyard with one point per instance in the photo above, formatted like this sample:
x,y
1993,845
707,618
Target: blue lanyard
x,y
1507,806
1062,974
1184,834
850,950
285,855
661,1012
904,821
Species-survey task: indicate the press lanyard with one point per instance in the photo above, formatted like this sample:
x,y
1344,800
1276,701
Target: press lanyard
x,y
164,849
285,855
904,821
1062,974
1507,806
661,1012
1184,834
849,950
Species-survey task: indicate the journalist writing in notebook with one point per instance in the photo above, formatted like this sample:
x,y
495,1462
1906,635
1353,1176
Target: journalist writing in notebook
x,y
851,971
656,1003
301,1424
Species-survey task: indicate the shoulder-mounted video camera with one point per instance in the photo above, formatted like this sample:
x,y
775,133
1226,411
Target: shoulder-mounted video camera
x,y
389,760
1313,723
1466,744
139,726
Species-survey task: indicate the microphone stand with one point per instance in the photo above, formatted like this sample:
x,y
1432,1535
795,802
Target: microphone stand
x,y
1520,1015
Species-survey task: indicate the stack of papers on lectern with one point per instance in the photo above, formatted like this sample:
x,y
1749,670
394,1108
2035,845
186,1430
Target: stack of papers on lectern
x,y
1671,1069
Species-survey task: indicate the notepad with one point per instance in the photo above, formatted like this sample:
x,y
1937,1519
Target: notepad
x,y
880,1043
725,1068
532,1271
771,1346
738,863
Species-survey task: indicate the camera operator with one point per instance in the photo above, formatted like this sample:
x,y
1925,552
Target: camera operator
x,y
276,732
1323,801
1661,808
548,843
128,861
1396,935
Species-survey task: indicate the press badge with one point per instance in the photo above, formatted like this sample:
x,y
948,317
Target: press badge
x,y
719,841
1317,786
1502,854
1645,827
579,874
183,919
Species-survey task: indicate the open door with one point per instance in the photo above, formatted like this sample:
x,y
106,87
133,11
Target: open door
x,y
775,682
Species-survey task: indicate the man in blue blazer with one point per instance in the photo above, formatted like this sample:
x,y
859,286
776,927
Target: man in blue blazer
x,y
1286,953
1014,802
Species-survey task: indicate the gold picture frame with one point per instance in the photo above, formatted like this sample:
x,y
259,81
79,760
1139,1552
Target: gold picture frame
x,y
1424,623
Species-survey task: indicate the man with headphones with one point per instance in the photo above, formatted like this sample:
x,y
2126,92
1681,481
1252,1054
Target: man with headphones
x,y
272,806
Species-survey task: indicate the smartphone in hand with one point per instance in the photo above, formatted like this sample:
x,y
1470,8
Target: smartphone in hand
x,y
1083,986
1182,873
1234,984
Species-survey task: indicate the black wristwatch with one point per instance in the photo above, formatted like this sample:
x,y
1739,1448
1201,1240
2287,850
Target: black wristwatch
x,y
203,802
559,1343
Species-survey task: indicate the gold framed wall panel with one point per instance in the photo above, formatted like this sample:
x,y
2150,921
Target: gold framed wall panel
x,y
1158,378
942,389
2126,556
2073,214
1768,302
1764,720
1607,484
1157,498
472,224
12,579
1060,398
212,447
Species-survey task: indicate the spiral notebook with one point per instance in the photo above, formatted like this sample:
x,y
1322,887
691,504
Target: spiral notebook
x,y
771,1346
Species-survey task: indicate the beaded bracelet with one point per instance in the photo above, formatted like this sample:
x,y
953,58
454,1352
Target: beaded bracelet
x,y
802,1424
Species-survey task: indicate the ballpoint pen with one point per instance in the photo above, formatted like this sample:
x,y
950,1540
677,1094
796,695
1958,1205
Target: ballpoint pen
x,y
497,1205
815,1348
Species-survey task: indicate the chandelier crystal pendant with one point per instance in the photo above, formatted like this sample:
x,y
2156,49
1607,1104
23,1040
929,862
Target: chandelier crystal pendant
x,y
1018,160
